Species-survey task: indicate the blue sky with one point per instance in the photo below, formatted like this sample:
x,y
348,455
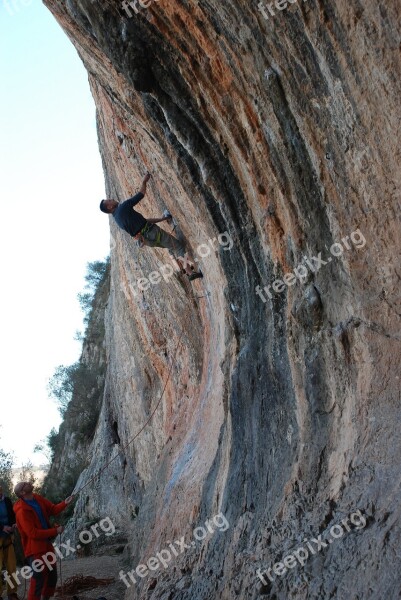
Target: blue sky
x,y
51,183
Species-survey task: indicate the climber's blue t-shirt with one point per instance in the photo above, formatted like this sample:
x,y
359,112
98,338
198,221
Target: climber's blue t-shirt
x,y
127,218
36,507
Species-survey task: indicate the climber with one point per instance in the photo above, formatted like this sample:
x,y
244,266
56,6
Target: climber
x,y
146,232
33,512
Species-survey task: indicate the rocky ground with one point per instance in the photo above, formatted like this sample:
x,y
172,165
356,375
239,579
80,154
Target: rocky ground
x,y
101,567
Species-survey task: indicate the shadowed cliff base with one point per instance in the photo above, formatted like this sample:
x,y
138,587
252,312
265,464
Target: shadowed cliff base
x,y
281,412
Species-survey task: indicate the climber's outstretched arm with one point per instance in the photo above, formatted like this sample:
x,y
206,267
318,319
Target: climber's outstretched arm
x,y
144,182
158,220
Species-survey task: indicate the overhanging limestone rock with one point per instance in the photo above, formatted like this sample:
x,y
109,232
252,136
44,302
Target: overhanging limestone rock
x,y
281,413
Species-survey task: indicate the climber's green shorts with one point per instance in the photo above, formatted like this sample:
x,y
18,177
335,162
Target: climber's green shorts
x,y
158,238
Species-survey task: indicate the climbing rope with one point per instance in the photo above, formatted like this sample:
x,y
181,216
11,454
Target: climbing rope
x,y
124,447
106,466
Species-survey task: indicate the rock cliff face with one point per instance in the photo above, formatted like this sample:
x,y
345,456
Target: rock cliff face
x,y
281,407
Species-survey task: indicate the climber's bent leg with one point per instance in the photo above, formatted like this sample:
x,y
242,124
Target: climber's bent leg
x,y
158,238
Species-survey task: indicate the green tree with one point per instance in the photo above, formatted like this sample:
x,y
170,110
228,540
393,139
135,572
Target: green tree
x,y
76,380
61,386
27,473
53,441
95,273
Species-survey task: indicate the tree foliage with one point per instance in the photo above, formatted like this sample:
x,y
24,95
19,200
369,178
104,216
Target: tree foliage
x,y
61,386
27,473
76,381
95,273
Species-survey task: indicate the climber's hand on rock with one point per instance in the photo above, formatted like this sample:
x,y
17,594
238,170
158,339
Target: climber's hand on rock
x,y
60,529
69,499
144,182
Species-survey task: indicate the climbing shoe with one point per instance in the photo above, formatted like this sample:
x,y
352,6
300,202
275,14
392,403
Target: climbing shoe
x,y
167,214
195,276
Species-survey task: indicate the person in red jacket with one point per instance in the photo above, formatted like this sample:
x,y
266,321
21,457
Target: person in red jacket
x,y
32,513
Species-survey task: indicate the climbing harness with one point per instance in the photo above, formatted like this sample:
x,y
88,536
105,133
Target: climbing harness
x,y
140,237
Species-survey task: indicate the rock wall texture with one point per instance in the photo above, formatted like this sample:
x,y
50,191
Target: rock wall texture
x,y
282,407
